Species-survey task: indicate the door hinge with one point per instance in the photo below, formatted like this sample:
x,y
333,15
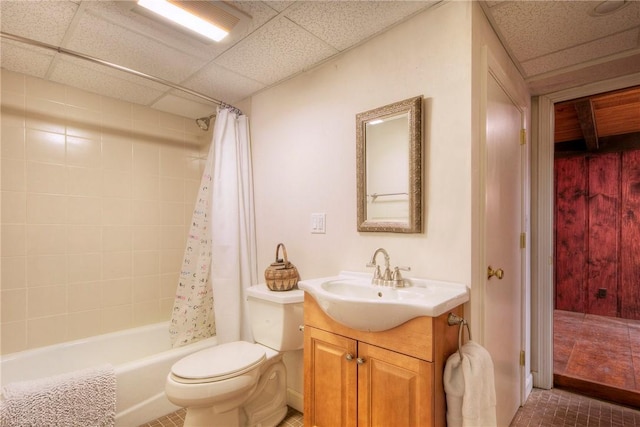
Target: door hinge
x,y
523,240
522,357
523,136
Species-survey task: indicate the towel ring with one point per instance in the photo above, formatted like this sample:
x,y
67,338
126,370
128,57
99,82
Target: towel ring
x,y
453,320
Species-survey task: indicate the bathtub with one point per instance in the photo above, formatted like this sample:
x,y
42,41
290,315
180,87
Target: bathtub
x,y
142,358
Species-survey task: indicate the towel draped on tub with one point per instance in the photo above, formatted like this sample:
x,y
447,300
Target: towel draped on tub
x,y
82,398
469,386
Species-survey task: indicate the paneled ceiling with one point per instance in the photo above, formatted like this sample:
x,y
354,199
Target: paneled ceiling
x,y
554,44
599,123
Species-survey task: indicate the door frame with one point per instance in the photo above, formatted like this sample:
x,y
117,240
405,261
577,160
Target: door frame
x,y
542,261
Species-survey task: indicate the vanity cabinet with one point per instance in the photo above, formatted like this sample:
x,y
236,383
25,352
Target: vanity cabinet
x,y
357,378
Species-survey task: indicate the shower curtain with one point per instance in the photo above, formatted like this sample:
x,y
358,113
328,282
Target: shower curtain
x,y
220,255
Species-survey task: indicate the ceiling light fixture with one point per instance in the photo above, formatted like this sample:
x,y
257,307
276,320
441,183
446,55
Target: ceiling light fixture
x,y
194,15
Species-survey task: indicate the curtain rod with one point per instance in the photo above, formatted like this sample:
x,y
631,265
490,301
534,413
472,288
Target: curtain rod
x,y
115,66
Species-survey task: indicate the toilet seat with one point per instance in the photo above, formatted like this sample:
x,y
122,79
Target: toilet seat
x,y
218,363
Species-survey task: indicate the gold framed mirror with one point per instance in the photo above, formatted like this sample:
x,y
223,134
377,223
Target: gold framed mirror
x,y
389,167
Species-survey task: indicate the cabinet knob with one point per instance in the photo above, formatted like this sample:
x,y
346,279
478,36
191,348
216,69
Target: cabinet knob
x,y
360,361
349,356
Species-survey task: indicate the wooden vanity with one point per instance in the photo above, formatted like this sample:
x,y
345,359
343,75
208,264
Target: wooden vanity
x,y
389,378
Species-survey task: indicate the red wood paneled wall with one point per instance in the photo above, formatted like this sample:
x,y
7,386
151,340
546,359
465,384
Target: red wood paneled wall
x,y
630,237
597,234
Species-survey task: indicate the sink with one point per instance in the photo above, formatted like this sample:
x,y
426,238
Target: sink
x,y
351,299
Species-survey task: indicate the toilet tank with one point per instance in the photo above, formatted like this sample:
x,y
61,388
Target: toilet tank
x,y
276,317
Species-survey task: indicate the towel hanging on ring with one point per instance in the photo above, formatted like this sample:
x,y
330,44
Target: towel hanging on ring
x,y
469,386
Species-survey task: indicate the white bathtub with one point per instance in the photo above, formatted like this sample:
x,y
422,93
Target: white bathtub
x,y
142,358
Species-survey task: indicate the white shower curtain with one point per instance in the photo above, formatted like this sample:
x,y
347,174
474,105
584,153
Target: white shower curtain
x,y
220,256
233,245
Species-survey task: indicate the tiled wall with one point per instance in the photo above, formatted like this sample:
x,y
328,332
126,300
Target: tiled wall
x,y
96,198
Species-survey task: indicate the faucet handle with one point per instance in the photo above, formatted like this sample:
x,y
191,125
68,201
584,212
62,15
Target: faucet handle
x,y
396,273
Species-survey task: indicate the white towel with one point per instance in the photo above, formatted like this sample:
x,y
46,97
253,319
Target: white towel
x,y
470,388
82,398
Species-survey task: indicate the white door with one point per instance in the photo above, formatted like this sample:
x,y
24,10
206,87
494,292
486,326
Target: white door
x,y
503,227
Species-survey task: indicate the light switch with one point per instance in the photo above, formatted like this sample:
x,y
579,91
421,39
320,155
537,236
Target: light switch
x,y
318,223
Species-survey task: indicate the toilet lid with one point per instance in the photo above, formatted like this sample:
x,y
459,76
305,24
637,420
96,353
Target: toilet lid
x,y
219,362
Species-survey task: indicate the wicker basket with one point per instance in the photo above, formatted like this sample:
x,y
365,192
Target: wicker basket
x,y
281,275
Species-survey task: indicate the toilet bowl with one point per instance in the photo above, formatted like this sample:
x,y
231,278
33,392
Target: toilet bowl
x,y
241,383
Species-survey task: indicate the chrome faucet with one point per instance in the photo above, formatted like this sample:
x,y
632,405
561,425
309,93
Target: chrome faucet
x,y
387,278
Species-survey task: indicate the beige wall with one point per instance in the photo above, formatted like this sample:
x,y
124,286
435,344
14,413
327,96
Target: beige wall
x,y
96,198
304,148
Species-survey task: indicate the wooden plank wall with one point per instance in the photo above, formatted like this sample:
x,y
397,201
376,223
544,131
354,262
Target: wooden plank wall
x,y
630,236
571,238
597,234
603,234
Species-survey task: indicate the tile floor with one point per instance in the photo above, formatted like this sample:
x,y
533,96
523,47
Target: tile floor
x,y
556,408
176,419
601,349
544,408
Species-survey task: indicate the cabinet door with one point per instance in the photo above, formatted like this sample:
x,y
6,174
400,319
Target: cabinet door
x,y
393,389
330,374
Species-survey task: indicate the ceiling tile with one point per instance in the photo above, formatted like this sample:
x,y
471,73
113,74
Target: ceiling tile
x,y
343,24
127,15
25,59
121,14
582,53
183,107
546,22
227,86
104,81
278,5
275,51
260,12
597,72
45,21
100,38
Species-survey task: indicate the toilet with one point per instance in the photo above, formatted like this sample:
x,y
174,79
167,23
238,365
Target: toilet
x,y
242,383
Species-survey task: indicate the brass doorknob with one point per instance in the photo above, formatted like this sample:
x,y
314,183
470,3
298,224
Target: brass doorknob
x,y
499,273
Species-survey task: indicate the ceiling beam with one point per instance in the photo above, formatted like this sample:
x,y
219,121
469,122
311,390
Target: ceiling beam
x,y
608,144
587,121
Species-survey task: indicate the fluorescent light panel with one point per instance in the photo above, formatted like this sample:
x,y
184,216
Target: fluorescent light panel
x,y
174,13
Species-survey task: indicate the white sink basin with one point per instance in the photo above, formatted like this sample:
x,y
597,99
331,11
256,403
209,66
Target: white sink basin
x,y
353,301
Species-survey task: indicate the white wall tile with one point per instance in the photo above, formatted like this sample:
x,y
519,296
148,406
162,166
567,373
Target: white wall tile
x,y
82,216
46,270
13,272
13,141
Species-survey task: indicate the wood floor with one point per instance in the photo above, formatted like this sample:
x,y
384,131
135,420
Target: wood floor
x,y
598,356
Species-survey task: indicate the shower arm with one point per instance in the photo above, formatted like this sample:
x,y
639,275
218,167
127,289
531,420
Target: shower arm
x,y
117,67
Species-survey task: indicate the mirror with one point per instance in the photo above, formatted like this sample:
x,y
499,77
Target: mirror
x,y
389,167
